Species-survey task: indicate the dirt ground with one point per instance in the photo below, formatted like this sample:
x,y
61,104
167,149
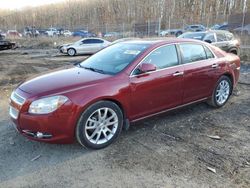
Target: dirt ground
x,y
170,150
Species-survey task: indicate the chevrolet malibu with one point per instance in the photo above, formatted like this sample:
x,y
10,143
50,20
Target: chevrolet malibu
x,y
93,100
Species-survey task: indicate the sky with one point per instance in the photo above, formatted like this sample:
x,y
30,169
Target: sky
x,y
19,4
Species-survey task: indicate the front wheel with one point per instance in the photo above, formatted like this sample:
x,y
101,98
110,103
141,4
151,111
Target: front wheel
x,y
71,52
99,125
221,92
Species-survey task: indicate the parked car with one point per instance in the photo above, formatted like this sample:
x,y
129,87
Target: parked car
x,y
175,32
52,32
30,31
2,34
6,44
215,27
195,28
42,32
67,33
222,39
112,34
84,46
92,101
229,27
245,29
83,34
13,33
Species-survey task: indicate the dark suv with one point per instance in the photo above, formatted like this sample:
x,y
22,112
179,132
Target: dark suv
x,y
222,39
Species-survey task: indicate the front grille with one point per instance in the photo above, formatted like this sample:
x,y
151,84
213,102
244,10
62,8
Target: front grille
x,y
17,98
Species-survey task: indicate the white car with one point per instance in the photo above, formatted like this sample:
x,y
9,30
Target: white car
x,y
67,33
51,32
84,46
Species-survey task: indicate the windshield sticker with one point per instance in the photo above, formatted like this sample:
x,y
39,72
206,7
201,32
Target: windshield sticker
x,y
132,52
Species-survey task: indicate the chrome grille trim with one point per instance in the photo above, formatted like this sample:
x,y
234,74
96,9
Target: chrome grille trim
x,y
17,98
13,112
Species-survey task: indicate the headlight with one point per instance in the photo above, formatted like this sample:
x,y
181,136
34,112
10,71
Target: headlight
x,y
47,105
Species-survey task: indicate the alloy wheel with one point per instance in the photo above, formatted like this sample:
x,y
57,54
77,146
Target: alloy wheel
x,y
101,126
222,92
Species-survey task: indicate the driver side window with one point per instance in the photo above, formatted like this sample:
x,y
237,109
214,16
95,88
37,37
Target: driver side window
x,y
163,57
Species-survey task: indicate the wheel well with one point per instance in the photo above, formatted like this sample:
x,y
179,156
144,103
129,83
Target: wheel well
x,y
118,104
233,50
230,77
71,48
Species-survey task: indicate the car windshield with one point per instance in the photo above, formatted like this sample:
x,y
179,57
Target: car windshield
x,y
114,59
197,36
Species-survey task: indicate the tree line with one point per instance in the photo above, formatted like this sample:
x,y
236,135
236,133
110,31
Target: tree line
x,y
96,14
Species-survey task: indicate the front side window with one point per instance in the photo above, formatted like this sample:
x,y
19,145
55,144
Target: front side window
x,y
192,52
163,57
87,41
209,37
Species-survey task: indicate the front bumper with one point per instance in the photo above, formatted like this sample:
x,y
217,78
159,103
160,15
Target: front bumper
x,y
55,127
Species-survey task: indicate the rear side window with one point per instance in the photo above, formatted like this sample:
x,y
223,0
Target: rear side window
x,y
229,36
92,41
221,37
192,52
210,55
163,57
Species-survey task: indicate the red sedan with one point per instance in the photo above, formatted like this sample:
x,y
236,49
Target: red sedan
x,y
93,100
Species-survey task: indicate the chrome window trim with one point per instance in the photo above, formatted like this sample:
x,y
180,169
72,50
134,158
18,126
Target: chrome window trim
x,y
131,73
180,63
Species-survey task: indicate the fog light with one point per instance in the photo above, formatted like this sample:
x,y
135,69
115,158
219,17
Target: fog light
x,y
39,135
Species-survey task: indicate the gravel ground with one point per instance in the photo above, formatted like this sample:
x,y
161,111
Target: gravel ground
x,y
170,150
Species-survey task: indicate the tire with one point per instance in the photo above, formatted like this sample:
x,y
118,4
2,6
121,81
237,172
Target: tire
x,y
233,51
71,52
178,33
93,131
221,93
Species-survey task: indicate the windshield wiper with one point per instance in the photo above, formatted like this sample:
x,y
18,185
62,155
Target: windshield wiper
x,y
94,69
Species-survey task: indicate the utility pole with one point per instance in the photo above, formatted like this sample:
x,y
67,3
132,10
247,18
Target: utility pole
x,y
243,16
161,6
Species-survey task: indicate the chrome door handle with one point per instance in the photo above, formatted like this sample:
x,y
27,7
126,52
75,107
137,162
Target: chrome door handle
x,y
178,73
214,65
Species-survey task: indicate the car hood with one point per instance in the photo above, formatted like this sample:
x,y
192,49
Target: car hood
x,y
63,80
66,45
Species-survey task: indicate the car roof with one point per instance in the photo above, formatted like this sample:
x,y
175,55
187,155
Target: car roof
x,y
156,42
210,31
93,38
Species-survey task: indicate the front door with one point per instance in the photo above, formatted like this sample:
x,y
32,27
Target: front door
x,y
157,90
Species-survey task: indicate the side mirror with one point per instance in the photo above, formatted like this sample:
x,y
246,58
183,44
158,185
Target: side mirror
x,y
208,41
147,67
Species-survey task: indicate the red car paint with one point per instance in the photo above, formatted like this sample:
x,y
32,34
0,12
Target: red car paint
x,y
138,96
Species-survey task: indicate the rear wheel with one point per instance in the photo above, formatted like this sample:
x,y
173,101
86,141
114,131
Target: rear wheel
x,y
233,51
99,125
71,52
221,92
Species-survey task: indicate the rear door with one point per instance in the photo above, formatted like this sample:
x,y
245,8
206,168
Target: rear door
x,y
158,90
199,71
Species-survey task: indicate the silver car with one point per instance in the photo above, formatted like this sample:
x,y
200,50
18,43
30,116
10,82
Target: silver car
x,y
84,46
